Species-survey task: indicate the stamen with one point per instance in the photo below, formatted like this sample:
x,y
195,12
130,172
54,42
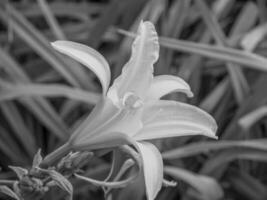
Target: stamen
x,y
130,100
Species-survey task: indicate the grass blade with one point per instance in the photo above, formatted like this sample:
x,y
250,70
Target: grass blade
x,y
243,58
10,91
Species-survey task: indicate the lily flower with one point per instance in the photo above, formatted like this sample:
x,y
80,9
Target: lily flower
x,y
131,109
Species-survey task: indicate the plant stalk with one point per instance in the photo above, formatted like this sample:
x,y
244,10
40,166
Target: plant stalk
x,y
7,182
54,156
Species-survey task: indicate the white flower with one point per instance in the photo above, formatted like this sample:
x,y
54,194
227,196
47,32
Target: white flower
x,y
131,109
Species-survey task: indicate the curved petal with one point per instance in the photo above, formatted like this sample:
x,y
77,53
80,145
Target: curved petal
x,y
137,74
102,113
88,57
170,118
152,168
166,84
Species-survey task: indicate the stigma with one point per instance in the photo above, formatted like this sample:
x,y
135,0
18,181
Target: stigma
x,y
132,101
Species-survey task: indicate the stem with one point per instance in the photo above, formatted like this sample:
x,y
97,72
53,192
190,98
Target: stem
x,y
54,156
7,182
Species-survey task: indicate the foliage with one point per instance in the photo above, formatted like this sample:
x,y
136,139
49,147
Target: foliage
x,y
218,47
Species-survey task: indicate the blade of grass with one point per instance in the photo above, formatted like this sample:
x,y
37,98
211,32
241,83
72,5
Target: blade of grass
x,y
79,11
237,77
42,46
11,91
14,153
247,186
215,167
40,107
59,34
250,41
204,187
14,118
256,99
50,18
192,64
210,102
251,118
205,147
109,17
243,58
173,28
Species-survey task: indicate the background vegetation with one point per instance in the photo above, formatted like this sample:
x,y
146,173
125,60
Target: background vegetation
x,y
219,47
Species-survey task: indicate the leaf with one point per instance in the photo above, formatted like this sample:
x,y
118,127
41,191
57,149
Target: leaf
x,y
218,162
237,77
18,125
20,172
205,147
38,42
166,84
137,74
152,168
251,118
247,186
211,101
61,181
251,39
207,188
88,57
108,184
39,107
14,154
165,118
47,90
243,58
50,18
37,159
6,190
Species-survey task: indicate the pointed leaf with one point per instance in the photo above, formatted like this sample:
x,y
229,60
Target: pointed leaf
x,y
15,91
205,147
243,58
152,168
249,119
20,172
109,184
170,119
37,159
251,39
206,187
166,84
88,57
137,74
6,190
61,181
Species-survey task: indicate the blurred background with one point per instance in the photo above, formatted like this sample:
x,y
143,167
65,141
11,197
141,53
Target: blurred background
x,y
219,47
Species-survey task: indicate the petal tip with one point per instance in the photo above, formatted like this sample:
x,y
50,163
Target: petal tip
x,y
190,94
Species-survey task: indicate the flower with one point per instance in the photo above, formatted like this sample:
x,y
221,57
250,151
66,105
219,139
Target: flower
x,y
131,109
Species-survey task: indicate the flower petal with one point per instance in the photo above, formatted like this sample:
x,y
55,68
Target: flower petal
x,y
137,74
88,57
152,168
170,119
166,84
102,113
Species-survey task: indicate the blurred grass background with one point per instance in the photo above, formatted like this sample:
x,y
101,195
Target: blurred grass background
x,y
219,47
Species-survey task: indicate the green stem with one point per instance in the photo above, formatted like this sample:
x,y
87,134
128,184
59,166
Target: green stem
x,y
7,182
54,156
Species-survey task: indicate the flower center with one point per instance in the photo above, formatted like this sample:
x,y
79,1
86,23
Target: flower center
x,y
130,100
